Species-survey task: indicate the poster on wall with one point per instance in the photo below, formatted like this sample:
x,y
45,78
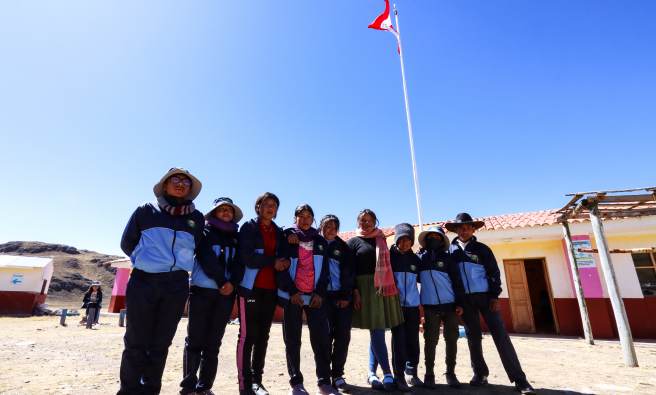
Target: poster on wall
x,y
583,259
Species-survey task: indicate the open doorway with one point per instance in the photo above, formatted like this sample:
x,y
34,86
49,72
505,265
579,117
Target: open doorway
x,y
541,298
531,298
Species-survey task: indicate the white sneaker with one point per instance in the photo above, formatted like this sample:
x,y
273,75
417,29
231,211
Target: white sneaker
x,y
298,389
327,389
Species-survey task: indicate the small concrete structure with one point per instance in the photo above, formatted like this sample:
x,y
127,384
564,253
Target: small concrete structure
x,y
24,280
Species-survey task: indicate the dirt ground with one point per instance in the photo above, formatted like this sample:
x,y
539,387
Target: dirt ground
x,y
68,360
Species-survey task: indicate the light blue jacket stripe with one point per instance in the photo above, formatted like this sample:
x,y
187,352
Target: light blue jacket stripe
x,y
473,277
250,274
153,253
434,283
408,290
318,264
334,284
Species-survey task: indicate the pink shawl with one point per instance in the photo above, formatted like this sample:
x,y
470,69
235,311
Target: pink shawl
x,y
384,277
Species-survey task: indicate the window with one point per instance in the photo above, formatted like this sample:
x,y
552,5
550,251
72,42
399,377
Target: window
x,y
645,265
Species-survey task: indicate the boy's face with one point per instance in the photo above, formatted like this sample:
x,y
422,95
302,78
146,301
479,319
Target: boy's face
x,y
224,212
465,232
178,190
404,244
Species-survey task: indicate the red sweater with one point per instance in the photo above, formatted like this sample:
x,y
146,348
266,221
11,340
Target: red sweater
x,y
265,277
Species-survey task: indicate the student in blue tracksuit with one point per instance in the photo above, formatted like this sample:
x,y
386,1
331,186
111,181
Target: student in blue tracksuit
x,y
482,281
339,304
302,288
443,298
263,251
161,238
405,336
213,281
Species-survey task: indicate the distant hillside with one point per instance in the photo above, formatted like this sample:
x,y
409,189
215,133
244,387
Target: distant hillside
x,y
74,269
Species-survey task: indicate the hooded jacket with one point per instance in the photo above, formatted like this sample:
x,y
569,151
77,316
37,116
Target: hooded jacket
x,y
87,297
286,278
405,266
478,267
158,242
216,251
441,284
250,253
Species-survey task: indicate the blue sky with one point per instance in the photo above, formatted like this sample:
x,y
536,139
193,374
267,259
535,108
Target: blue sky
x,y
514,104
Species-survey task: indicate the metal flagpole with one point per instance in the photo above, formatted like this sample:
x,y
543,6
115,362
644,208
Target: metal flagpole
x,y
407,110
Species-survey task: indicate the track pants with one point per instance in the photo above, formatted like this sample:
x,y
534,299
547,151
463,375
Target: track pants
x,y
340,320
209,313
155,303
405,343
480,302
255,316
432,320
292,325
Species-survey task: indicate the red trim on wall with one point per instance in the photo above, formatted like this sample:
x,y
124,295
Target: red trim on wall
x,y
16,302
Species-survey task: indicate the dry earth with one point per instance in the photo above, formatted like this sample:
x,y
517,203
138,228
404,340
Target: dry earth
x,y
71,360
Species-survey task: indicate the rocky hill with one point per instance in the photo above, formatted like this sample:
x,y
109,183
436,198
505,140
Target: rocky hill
x,y
74,269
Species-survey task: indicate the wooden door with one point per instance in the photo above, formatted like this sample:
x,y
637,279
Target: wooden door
x,y
520,299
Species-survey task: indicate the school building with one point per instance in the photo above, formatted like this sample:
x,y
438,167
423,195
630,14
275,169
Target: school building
x,y
534,265
24,280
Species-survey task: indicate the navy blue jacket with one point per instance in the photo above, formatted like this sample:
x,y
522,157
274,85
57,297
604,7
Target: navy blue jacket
x,y
158,242
286,278
441,283
250,253
342,270
478,267
216,260
406,270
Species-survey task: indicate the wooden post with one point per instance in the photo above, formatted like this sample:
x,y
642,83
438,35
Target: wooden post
x,y
62,320
583,307
626,339
90,318
121,318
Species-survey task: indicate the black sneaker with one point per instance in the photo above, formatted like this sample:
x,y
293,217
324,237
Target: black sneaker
x,y
400,384
452,380
478,380
247,392
388,385
259,389
524,387
415,381
429,381
374,381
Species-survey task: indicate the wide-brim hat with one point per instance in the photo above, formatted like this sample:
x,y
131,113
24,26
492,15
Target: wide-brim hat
x,y
462,219
434,229
196,185
95,283
224,201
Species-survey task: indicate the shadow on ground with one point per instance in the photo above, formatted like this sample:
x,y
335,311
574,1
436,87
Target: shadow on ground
x,y
465,389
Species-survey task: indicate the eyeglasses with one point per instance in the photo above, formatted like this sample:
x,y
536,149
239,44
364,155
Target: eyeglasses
x,y
222,199
368,221
176,180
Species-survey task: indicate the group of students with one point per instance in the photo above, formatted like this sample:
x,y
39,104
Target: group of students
x,y
339,285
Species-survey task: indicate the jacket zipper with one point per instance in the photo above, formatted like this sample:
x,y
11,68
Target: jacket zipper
x,y
439,301
464,270
175,235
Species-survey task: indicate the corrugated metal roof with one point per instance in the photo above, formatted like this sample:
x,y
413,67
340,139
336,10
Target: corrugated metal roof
x,y
9,261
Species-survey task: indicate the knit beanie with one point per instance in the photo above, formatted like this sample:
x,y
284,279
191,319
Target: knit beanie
x,y
404,230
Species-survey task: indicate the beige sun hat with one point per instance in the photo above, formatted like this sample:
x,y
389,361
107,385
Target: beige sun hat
x,y
196,185
435,229
224,201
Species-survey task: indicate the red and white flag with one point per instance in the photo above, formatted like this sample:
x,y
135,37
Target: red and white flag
x,y
384,22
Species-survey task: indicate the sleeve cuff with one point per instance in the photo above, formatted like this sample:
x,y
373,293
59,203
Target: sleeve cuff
x,y
271,261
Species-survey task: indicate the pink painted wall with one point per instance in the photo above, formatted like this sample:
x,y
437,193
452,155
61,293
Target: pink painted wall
x,y
118,292
589,275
